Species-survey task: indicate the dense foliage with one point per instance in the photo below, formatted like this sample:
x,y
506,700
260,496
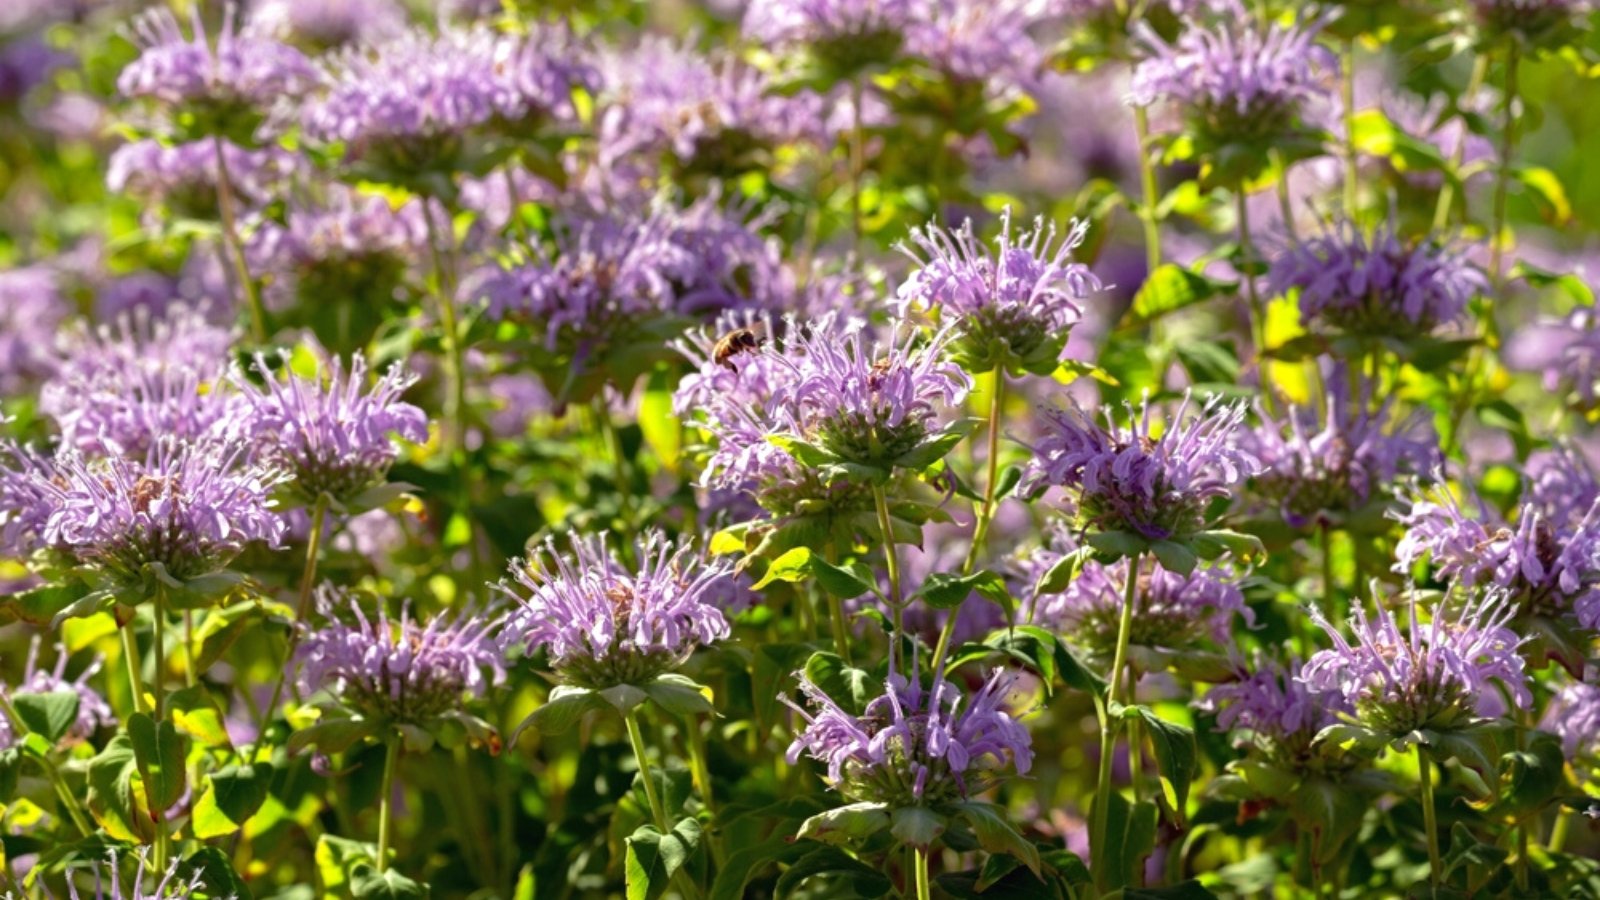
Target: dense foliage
x,y
799,448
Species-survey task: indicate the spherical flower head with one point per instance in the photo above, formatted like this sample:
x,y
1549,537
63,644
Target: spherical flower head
x,y
31,309
333,433
1544,559
1321,470
869,403
124,387
1131,479
402,671
325,24
1013,306
1440,674
183,177
1574,716
915,744
188,507
845,35
225,86
94,712
983,42
1278,713
1171,611
1377,285
350,249
1236,81
604,624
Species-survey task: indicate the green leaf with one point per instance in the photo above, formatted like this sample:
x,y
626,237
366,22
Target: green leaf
x,y
1330,811
41,605
1466,851
624,698
337,858
112,800
1130,836
160,752
847,824
1547,187
996,835
1175,557
1531,779
652,857
679,695
367,883
849,687
945,591
743,864
1111,546
196,715
918,826
1217,542
807,453
231,795
794,565
825,860
662,430
216,872
1169,289
50,715
839,582
1066,569
560,711
936,447
1177,757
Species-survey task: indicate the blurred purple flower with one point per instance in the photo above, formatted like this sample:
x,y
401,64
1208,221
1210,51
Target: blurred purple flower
x,y
324,24
1279,714
93,711
1376,284
31,309
1572,354
404,671
242,69
1437,674
1131,480
332,434
25,64
349,248
837,26
604,624
1574,716
184,176
914,745
980,41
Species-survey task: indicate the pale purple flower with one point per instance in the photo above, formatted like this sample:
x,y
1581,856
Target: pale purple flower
x,y
1574,716
184,177
980,41
868,402
711,112
241,68
122,388
914,745
1573,358
31,309
1236,80
93,711
332,433
324,24
1320,469
1014,304
188,508
25,64
1436,674
605,623
837,27
401,670
1378,283
348,248
1273,702
1171,611
1129,479
1546,559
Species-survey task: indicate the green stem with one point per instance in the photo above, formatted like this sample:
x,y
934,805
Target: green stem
x,y
1328,609
1429,822
158,687
64,794
189,674
130,655
391,756
924,890
1147,186
619,462
1347,90
1109,727
702,776
891,559
1508,149
658,810
1441,212
858,154
235,247
308,578
1558,834
980,531
454,368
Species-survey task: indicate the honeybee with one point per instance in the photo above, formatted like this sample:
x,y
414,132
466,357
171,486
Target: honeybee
x,y
740,340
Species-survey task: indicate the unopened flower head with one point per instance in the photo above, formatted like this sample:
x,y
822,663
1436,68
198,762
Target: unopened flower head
x,y
1439,674
1320,469
124,387
915,744
1236,81
869,402
1546,559
604,623
333,435
189,507
1136,479
1171,611
1379,284
94,712
403,670
1013,305
228,83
